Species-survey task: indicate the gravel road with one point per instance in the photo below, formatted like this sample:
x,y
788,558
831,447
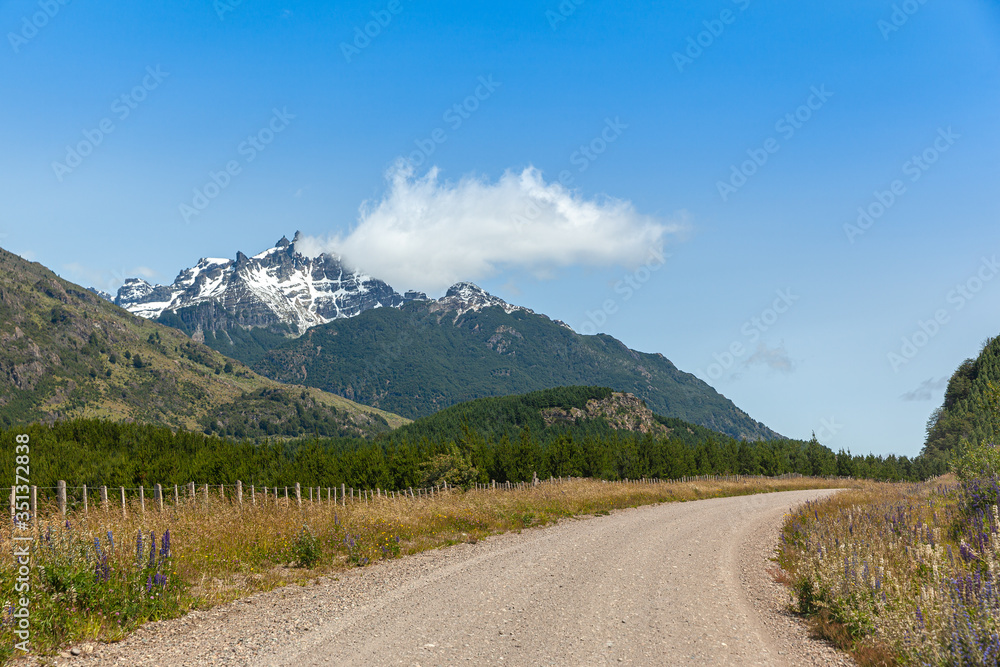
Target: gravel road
x,y
671,584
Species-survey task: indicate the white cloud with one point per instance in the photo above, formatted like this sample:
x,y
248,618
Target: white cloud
x,y
428,234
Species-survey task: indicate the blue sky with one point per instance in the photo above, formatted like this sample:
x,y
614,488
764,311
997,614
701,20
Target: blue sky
x,y
874,85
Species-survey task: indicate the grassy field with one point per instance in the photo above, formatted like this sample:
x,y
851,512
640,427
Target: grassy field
x,y
98,576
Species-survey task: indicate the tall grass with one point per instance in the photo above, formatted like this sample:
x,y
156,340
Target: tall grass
x,y
902,574
93,577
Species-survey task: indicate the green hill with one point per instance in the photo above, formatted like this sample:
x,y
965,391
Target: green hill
x,y
583,412
965,412
419,359
66,353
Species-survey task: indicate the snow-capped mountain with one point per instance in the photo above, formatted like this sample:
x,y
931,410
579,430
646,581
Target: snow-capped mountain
x,y
282,286
463,297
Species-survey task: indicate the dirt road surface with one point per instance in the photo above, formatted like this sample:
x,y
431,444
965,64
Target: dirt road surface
x,y
671,584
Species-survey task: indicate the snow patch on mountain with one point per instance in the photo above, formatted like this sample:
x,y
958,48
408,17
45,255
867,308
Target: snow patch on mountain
x,y
281,285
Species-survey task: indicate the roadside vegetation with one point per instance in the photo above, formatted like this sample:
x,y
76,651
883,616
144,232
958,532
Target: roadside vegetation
x,y
908,573
98,575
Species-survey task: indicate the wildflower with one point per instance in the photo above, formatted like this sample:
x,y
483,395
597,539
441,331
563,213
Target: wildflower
x,y
149,583
152,549
165,547
111,541
138,548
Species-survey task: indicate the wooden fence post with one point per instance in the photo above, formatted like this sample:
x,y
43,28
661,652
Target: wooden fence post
x,y
239,493
85,509
253,495
177,496
222,492
124,511
142,499
206,493
158,492
343,495
298,494
34,505
60,497
104,498
310,494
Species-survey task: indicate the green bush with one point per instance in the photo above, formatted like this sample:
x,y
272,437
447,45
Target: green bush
x,y
452,468
306,548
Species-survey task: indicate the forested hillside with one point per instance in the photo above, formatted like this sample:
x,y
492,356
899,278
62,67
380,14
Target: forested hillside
x,y
510,438
418,359
966,411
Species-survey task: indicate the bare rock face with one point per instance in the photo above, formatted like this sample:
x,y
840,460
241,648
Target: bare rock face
x,y
623,412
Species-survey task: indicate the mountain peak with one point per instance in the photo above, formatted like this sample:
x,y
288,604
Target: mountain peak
x,y
466,290
465,296
275,287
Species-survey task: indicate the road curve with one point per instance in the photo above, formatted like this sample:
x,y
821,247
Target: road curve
x,y
670,584
660,585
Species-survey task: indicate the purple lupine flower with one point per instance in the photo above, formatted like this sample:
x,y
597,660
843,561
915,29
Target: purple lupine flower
x,y
149,583
152,549
138,548
97,547
165,547
160,580
111,541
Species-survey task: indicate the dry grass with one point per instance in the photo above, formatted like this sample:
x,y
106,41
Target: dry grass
x,y
223,551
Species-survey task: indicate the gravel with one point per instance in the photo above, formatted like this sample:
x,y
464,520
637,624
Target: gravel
x,y
677,583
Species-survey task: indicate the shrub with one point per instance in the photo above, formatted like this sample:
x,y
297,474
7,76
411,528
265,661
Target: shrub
x,y
452,468
306,548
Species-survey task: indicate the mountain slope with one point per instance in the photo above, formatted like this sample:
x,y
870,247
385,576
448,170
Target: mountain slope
x,y
65,352
428,355
966,412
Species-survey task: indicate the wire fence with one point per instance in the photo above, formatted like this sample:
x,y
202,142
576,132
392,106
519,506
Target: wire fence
x,y
25,501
